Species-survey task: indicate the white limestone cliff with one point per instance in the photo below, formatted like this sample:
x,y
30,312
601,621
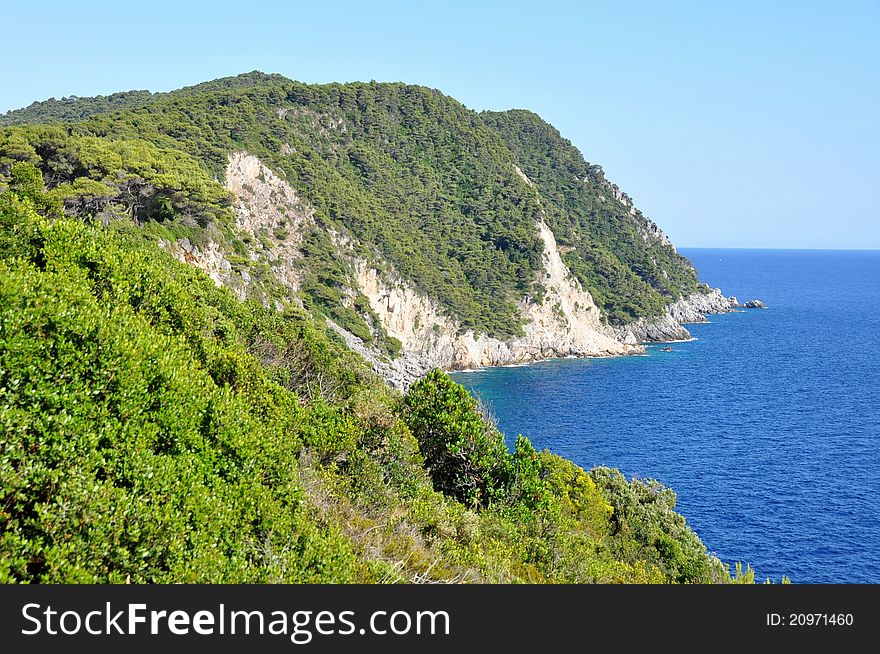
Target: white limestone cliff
x,y
270,218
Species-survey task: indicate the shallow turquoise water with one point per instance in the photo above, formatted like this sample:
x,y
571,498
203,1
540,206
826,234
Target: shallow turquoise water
x,y
767,426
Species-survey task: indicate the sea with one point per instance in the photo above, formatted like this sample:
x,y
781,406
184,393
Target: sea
x,y
766,425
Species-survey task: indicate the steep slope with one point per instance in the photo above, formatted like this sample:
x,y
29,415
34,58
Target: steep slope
x,y
272,220
427,234
617,253
157,429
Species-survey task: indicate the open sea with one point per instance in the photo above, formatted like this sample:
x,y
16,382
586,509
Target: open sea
x,y
767,425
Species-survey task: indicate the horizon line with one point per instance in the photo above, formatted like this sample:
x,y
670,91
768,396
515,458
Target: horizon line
x,y
764,247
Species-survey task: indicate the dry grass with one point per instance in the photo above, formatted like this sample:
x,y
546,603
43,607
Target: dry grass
x,y
390,545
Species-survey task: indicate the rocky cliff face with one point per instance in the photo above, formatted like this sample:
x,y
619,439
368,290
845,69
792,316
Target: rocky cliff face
x,y
564,321
670,326
269,221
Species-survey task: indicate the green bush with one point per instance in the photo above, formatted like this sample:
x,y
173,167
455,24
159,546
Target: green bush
x,y
646,527
139,443
466,457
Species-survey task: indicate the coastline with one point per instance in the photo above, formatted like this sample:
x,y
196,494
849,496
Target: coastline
x,y
565,322
668,328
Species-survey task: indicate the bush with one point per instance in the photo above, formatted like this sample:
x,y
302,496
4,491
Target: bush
x,y
646,527
465,456
141,442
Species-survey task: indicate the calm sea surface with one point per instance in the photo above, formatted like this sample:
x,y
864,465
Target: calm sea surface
x,y
767,425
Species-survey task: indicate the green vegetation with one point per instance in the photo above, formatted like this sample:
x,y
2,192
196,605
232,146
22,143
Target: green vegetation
x,y
90,175
609,245
74,108
465,455
156,429
415,178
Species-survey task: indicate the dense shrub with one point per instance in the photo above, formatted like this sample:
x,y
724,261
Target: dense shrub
x,y
466,456
646,527
129,454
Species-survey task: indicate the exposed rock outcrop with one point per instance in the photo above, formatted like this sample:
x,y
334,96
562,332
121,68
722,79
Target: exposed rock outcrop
x,y
399,372
210,259
670,326
269,220
271,217
270,213
566,323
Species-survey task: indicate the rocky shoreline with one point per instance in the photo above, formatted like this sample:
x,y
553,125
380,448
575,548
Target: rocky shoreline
x,y
405,370
565,323
670,327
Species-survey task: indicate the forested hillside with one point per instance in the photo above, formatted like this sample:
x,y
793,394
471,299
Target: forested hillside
x,y
156,429
159,426
616,252
419,181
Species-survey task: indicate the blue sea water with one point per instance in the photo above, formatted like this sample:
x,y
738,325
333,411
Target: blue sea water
x,y
767,425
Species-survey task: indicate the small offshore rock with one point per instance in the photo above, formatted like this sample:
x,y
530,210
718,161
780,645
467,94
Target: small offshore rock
x,y
754,304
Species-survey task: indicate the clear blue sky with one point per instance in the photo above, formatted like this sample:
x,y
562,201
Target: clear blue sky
x,y
740,124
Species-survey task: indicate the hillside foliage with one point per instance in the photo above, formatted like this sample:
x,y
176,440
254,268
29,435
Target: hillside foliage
x,y
418,181
157,429
615,251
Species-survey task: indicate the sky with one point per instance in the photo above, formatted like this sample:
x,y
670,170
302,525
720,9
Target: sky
x,y
738,124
